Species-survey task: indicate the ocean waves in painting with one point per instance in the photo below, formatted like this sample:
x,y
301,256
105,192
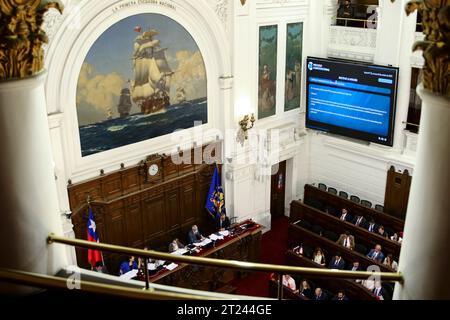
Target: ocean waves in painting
x,y
119,132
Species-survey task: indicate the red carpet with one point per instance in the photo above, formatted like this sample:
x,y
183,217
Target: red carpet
x,y
273,249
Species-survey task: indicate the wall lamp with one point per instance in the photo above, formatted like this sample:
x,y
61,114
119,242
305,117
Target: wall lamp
x,y
245,124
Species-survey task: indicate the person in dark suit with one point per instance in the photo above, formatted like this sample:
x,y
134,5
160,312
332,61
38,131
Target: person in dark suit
x,y
371,226
223,223
337,262
194,235
319,295
345,216
340,296
360,221
376,254
355,267
379,291
175,245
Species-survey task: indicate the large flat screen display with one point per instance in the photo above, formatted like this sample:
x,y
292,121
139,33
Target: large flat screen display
x,y
352,99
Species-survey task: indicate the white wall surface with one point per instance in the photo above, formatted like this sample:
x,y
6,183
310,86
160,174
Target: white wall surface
x,y
227,34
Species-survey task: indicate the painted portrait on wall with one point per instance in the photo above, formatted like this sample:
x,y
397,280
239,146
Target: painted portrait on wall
x,y
294,48
143,78
268,40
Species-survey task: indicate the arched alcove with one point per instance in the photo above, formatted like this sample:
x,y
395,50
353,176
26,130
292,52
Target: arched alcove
x,y
82,27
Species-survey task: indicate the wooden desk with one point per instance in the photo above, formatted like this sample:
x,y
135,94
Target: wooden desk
x,y
297,235
301,211
353,290
353,208
245,246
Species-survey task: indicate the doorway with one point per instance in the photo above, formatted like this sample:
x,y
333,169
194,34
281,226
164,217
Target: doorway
x,y
278,190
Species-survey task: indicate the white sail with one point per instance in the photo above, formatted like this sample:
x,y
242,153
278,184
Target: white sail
x,y
154,75
146,45
142,92
161,61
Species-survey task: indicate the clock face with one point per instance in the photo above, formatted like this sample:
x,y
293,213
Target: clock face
x,y
153,170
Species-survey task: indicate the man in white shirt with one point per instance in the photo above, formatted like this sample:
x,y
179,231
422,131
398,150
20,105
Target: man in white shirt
x,y
347,240
289,282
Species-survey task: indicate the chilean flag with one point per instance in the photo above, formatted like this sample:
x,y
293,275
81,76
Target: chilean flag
x,y
94,256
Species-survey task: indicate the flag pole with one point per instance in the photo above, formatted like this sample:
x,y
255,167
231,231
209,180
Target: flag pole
x,y
88,200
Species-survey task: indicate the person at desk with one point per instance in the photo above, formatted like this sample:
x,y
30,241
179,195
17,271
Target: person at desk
x,y
337,262
223,223
289,282
129,265
175,245
194,235
319,295
376,254
340,296
345,216
347,240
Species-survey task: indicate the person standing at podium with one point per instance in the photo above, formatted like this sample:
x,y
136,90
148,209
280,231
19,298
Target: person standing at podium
x,y
223,223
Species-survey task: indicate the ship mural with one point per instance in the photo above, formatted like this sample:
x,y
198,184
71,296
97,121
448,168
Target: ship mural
x,y
143,78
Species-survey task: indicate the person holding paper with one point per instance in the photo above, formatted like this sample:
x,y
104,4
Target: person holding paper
x,y
194,235
223,223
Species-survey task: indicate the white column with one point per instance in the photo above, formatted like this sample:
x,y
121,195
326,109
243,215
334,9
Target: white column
x,y
29,200
424,259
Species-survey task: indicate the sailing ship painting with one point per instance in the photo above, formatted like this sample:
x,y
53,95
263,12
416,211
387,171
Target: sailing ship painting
x,y
143,78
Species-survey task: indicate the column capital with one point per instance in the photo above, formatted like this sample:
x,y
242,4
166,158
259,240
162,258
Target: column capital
x,y
22,37
435,47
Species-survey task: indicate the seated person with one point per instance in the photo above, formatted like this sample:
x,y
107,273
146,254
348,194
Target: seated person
x,y
376,254
319,257
390,262
194,235
101,268
337,262
175,245
360,221
382,233
319,295
379,291
355,267
345,216
347,240
289,282
340,296
372,227
305,289
223,223
298,250
128,265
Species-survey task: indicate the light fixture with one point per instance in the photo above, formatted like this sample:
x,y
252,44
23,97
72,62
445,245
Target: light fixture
x,y
243,2
245,124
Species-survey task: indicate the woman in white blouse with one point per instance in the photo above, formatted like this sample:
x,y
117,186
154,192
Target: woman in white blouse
x,y
390,262
319,257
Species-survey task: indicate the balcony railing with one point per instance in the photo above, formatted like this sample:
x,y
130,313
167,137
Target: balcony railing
x,y
45,281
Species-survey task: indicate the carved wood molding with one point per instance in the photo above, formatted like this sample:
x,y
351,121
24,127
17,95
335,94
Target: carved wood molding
x,y
22,37
436,46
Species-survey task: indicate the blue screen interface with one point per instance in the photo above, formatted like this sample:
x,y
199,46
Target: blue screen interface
x,y
351,99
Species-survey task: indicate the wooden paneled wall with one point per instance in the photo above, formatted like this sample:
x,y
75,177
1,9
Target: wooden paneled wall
x,y
135,209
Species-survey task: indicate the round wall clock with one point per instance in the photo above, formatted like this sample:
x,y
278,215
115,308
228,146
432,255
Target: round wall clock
x,y
153,170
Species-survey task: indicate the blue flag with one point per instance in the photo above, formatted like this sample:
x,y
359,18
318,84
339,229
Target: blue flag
x,y
215,202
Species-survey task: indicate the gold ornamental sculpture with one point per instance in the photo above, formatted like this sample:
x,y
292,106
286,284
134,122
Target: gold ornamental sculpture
x,y
21,37
436,46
